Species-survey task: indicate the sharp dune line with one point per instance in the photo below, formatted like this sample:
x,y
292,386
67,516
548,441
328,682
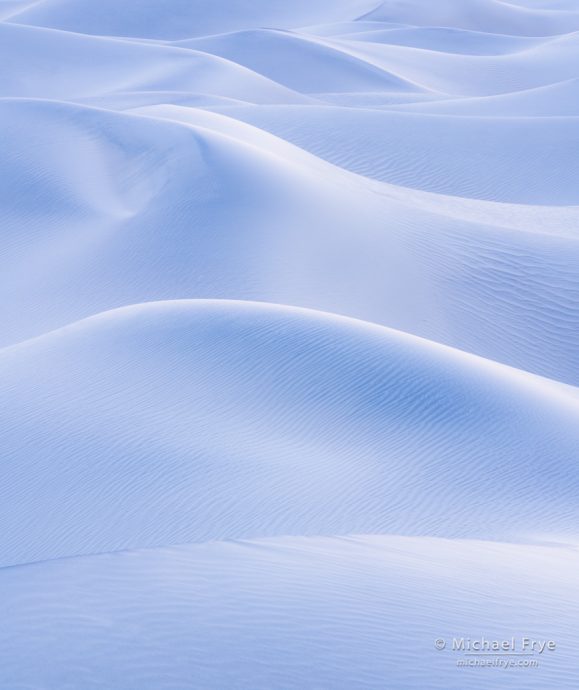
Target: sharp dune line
x,y
289,358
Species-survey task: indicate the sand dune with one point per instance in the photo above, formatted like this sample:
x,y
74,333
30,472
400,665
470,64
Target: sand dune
x,y
204,420
395,147
109,66
558,100
175,207
184,19
442,39
492,16
289,358
547,62
301,63
291,612
156,225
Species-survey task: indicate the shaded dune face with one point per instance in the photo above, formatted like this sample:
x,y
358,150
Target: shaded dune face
x,y
229,420
290,342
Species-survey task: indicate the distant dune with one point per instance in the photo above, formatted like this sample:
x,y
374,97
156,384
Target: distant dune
x,y
289,352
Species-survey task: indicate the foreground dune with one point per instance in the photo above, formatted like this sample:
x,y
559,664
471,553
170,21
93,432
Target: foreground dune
x,y
294,612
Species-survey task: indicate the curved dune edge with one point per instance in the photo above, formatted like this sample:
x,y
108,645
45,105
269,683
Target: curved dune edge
x,y
129,316
201,420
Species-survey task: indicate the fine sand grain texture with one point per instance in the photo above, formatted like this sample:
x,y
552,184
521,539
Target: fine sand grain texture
x,y
289,356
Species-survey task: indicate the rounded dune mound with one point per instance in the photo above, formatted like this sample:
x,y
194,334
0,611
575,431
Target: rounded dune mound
x,y
304,64
554,100
492,16
547,61
400,148
175,209
71,67
179,19
447,40
190,421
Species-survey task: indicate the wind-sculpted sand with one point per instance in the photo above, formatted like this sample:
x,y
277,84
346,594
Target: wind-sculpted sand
x,y
290,343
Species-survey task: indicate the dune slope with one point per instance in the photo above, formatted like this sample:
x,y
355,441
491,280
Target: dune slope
x,y
289,357
212,419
